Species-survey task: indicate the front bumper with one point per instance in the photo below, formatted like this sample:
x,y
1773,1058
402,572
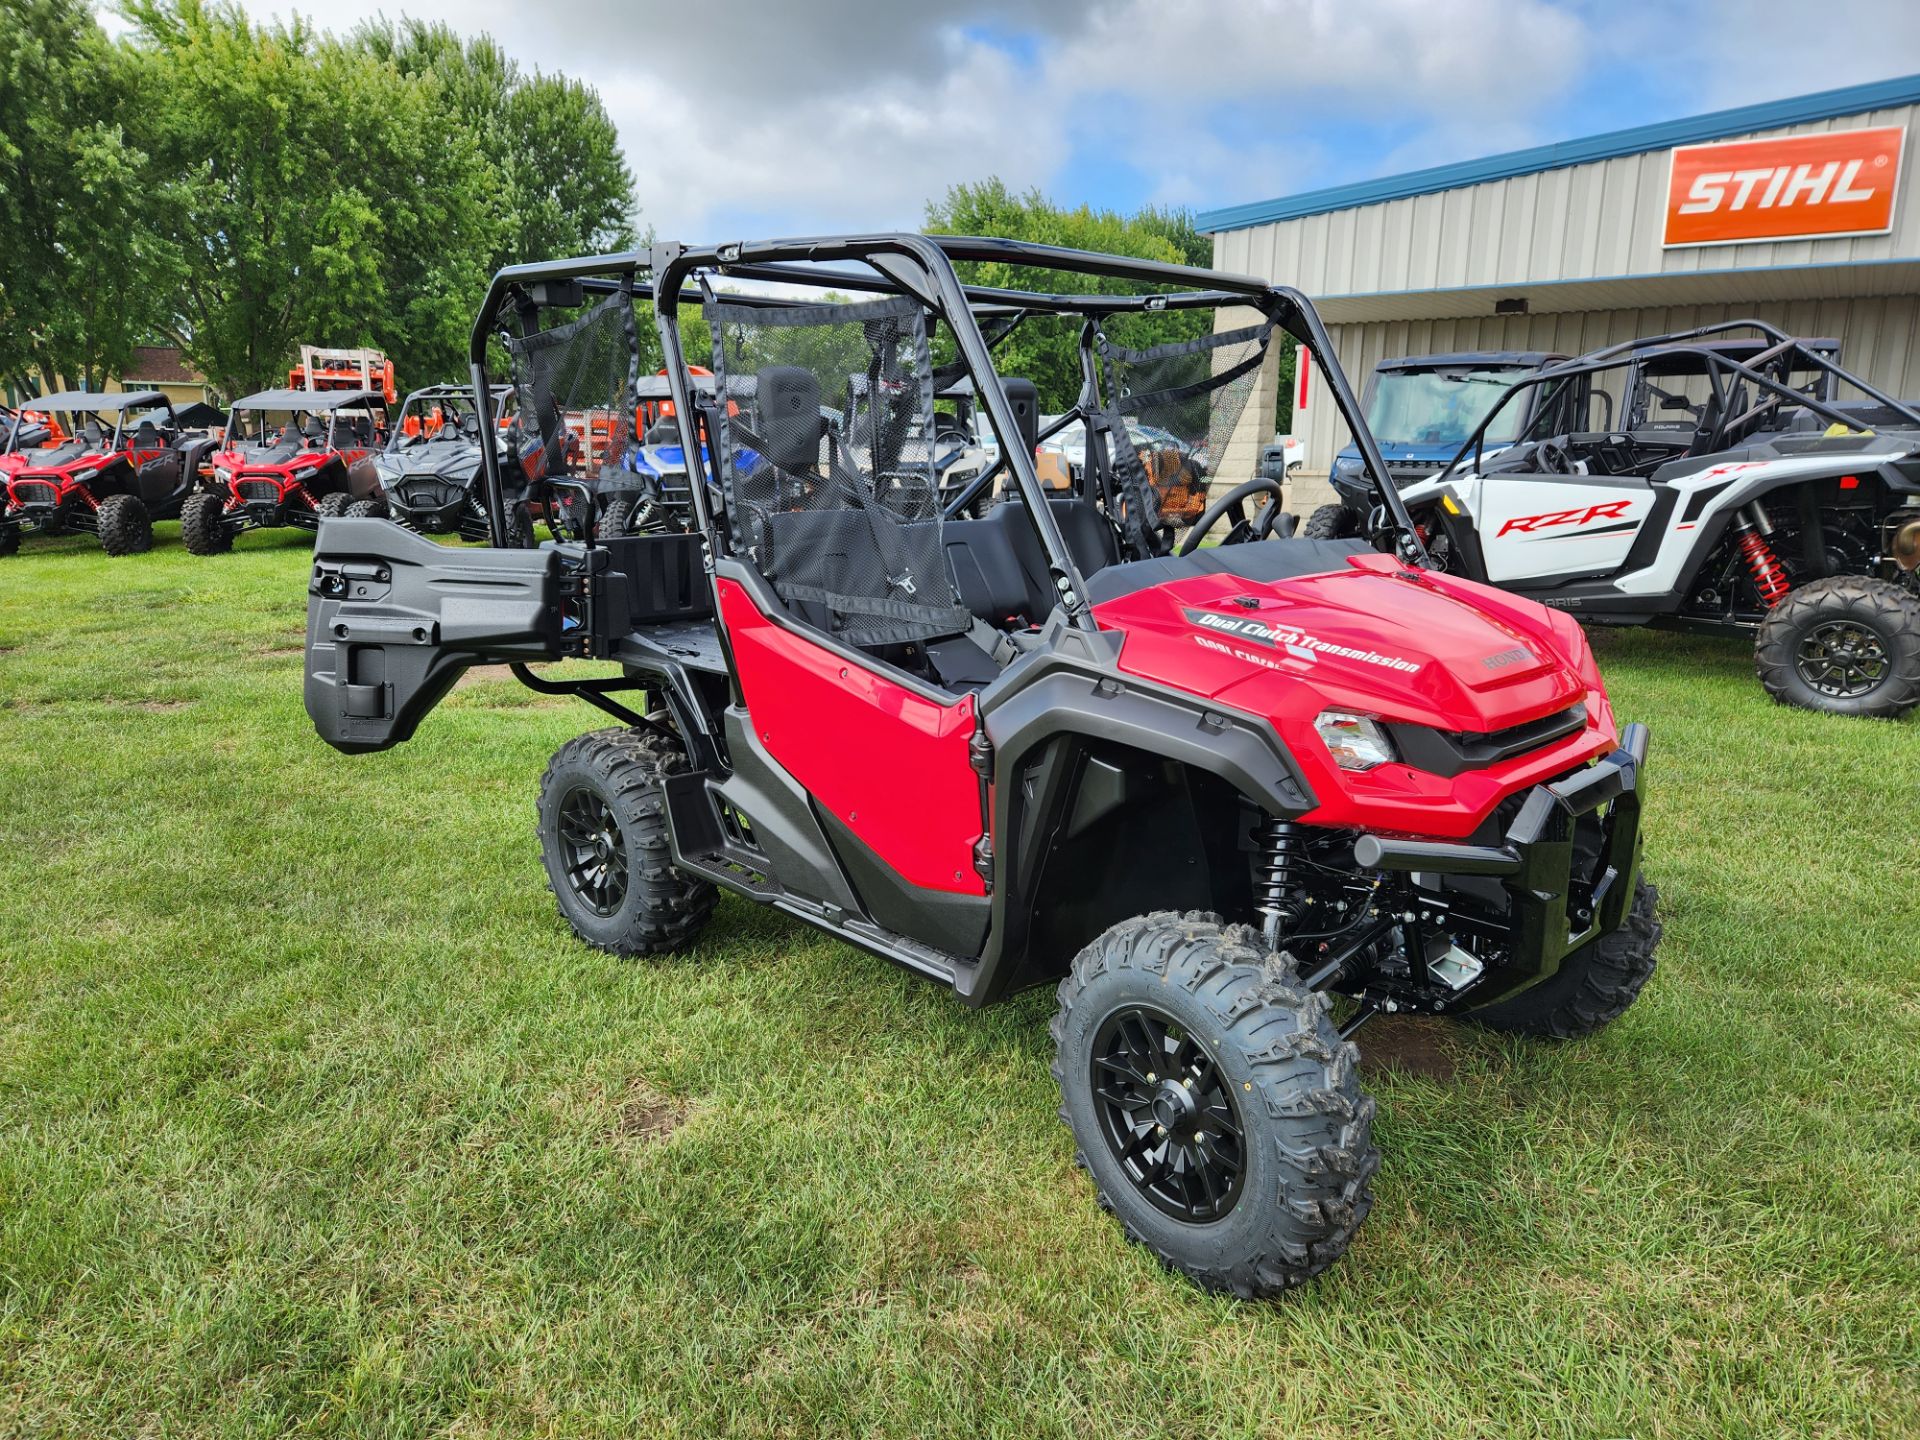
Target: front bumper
x,y
1560,894
38,516
428,503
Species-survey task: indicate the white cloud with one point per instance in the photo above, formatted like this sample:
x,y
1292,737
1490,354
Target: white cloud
x,y
790,116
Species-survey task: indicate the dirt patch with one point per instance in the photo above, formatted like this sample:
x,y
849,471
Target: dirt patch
x,y
158,707
646,1114
1412,1046
479,675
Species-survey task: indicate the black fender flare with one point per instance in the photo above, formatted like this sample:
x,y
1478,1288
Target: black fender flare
x,y
1241,749
1059,694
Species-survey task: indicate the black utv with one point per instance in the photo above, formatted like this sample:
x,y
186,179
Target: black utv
x,y
431,471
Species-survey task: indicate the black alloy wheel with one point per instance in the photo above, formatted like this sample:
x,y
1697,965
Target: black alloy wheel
x,y
1168,1115
594,851
1842,659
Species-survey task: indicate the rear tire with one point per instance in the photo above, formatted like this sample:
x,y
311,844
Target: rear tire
x,y
1593,986
1240,1048
365,510
125,526
1848,645
202,529
615,516
1331,522
519,528
603,837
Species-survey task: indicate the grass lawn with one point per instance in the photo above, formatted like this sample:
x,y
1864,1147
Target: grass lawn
x,y
315,1119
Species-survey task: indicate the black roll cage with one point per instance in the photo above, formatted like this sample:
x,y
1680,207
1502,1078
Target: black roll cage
x,y
447,391
1785,355
118,404
921,266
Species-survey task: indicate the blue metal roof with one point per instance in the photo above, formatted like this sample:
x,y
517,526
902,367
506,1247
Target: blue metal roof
x,y
1772,115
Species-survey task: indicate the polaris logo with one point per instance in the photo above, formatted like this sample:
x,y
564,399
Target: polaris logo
x,y
1297,643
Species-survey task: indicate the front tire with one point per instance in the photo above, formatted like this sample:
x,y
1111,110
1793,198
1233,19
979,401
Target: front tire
x,y
203,528
1213,1103
125,526
9,540
333,506
1331,522
603,837
1593,986
365,510
1848,645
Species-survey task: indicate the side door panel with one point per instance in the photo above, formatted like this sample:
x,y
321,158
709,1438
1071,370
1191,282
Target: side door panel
x,y
891,764
1536,525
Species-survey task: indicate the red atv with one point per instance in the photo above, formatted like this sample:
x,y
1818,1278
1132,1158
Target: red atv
x,y
1232,801
289,458
127,463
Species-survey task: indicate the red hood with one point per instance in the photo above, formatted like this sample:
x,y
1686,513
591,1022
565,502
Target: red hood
x,y
93,459
1416,647
257,464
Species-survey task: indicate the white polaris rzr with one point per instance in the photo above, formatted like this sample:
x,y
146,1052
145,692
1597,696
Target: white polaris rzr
x,y
1741,491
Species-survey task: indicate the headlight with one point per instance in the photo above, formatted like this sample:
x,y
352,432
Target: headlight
x,y
86,474
1354,741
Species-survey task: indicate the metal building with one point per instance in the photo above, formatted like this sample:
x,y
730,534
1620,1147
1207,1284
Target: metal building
x,y
1572,246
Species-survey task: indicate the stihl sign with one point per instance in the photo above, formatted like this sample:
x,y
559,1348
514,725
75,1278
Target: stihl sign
x,y
1785,188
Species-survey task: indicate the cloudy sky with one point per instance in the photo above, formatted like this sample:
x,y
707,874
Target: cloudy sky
x,y
794,116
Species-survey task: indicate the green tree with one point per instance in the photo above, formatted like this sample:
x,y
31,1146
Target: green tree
x,y
78,260
307,191
1046,350
557,181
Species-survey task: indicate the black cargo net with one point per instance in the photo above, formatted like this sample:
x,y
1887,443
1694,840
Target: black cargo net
x,y
575,383
1171,412
826,444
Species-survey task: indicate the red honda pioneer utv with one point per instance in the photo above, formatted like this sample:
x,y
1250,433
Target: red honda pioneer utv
x,y
1232,802
289,457
118,473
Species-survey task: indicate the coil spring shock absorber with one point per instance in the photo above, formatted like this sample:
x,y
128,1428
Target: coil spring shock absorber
x,y
1769,575
1273,878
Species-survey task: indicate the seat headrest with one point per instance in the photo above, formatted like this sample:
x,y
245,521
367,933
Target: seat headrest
x,y
786,415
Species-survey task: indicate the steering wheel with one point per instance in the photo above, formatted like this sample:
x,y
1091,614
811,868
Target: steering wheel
x,y
1553,458
1235,501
